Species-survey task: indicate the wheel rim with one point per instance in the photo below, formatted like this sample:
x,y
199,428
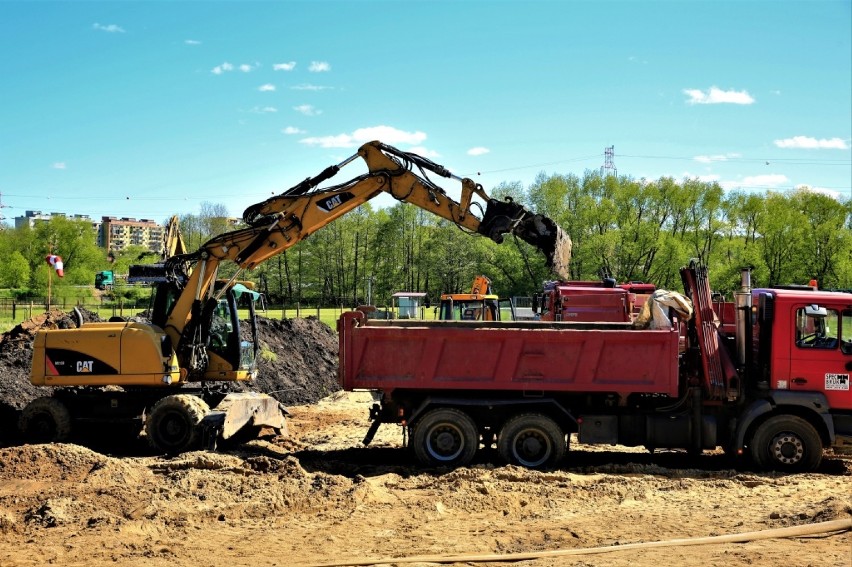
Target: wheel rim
x,y
787,448
445,442
42,427
531,447
174,429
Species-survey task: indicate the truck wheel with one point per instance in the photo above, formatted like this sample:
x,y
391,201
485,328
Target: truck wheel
x,y
45,420
172,425
786,443
531,440
445,437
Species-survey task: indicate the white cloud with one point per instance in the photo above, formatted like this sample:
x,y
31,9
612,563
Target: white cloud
x,y
284,66
58,165
309,87
717,96
263,110
266,88
319,67
808,143
718,157
830,192
307,110
423,151
708,178
290,130
111,28
338,141
478,151
192,42
386,134
768,180
224,67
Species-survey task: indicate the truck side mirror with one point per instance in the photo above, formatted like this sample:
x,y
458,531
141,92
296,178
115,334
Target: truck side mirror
x,y
535,303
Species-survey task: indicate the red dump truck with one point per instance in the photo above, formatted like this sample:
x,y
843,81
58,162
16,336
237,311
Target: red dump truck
x,y
775,389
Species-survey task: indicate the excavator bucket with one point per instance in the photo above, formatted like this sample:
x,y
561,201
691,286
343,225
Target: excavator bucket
x,y
503,217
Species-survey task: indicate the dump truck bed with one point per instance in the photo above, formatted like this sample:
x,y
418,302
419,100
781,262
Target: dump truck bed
x,y
510,356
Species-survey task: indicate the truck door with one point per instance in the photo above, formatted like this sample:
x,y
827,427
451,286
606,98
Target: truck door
x,y
821,356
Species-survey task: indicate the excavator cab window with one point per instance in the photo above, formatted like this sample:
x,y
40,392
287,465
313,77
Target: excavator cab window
x,y
469,310
230,338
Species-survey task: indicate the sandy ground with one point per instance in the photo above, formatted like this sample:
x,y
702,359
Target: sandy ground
x,y
319,496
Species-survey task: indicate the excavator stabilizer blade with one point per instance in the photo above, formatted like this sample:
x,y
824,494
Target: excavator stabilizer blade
x,y
243,409
503,217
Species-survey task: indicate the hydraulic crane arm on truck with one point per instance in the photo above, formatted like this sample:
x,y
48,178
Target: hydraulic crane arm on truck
x,y
194,335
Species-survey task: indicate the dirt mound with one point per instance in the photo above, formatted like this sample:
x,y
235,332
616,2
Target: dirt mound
x,y
297,361
16,352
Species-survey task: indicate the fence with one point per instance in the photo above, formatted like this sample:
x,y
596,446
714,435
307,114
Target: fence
x,y
21,310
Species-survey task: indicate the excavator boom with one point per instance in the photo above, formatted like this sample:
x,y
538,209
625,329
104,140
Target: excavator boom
x,y
282,221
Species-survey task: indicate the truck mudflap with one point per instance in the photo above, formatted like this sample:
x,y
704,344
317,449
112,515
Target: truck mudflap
x,y
239,410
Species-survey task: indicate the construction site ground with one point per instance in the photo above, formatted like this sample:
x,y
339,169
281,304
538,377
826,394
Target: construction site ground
x,y
319,496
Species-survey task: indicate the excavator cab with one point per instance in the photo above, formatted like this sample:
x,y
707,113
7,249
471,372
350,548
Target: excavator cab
x,y
230,340
482,308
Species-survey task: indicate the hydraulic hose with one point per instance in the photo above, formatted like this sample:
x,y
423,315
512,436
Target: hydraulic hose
x,y
838,526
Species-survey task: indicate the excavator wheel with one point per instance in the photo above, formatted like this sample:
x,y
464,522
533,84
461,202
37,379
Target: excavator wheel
x,y
172,424
45,420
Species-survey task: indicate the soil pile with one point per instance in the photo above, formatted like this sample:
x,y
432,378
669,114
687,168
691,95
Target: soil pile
x,y
297,363
16,353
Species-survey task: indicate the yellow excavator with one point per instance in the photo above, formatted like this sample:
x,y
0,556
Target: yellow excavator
x,y
481,304
172,374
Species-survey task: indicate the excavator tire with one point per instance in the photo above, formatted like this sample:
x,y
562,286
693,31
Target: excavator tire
x,y
45,420
172,424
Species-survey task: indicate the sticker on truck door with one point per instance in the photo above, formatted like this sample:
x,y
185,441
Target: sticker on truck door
x,y
837,382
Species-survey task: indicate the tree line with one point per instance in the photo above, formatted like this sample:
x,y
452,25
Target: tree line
x,y
631,230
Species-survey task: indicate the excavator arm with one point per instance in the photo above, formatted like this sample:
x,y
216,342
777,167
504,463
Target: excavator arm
x,y
282,221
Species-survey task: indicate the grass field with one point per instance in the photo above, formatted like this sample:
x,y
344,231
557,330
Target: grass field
x,y
328,315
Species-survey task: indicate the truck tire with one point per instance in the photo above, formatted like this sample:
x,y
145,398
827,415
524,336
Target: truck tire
x,y
172,424
786,443
45,420
445,437
531,440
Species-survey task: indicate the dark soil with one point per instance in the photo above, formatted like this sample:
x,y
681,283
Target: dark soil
x,y
297,364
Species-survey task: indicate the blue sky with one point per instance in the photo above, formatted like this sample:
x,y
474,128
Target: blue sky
x,y
148,109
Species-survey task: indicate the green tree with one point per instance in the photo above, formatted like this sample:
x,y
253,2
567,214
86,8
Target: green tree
x,y
14,270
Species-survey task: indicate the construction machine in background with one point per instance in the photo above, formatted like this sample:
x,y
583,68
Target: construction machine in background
x,y
601,300
173,374
481,304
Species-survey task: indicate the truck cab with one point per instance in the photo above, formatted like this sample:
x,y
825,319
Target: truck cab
x,y
811,342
